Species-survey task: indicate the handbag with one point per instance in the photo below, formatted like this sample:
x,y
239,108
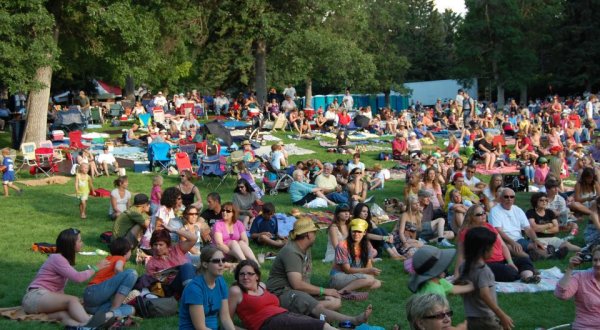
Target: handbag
x,y
158,307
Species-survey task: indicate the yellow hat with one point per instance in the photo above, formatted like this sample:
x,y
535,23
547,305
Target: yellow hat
x,y
358,224
303,225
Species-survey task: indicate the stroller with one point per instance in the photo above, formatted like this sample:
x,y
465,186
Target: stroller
x,y
275,180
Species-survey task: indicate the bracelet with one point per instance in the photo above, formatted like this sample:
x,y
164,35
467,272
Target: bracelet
x,y
321,291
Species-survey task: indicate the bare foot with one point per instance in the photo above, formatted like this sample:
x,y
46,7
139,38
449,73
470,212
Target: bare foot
x,y
364,317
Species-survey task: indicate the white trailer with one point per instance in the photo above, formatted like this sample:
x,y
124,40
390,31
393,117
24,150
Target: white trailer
x,y
427,92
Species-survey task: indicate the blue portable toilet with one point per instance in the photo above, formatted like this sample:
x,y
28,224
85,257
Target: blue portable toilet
x,y
319,101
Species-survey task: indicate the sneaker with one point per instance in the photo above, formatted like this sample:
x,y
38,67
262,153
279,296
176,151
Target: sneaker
x,y
445,243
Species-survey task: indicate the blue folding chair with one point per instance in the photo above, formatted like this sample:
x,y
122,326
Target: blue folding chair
x,y
145,119
213,166
159,154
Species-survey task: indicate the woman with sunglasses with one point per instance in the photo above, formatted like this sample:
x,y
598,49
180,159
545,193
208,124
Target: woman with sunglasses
x,y
430,312
505,267
244,198
204,301
166,256
229,234
195,224
260,309
189,191
45,294
357,188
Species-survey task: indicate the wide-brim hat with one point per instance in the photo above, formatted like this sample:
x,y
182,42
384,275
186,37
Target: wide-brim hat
x,y
303,225
246,142
429,262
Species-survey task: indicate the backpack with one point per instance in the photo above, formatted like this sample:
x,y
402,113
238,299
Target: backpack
x,y
44,247
157,307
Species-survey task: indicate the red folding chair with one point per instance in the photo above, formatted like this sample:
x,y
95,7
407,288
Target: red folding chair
x,y
182,160
44,162
185,108
75,140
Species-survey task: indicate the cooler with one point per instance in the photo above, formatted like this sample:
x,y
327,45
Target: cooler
x,y
58,135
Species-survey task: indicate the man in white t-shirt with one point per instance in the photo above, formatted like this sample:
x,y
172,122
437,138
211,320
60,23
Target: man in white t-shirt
x,y
348,101
510,220
472,181
459,100
328,182
290,91
106,160
160,100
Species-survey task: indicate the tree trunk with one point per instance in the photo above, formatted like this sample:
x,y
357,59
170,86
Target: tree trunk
x,y
500,91
388,99
523,97
130,88
37,108
308,93
260,67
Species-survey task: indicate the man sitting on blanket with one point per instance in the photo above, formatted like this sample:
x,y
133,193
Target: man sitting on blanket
x,y
510,221
328,183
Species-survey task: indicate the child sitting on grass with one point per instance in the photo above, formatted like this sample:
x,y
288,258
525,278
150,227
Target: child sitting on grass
x,y
481,305
429,264
8,173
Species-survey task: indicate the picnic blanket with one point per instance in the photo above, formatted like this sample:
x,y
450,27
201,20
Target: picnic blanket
x,y
497,170
18,314
550,278
291,149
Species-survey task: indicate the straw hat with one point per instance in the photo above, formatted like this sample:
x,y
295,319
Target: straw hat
x,y
303,225
246,142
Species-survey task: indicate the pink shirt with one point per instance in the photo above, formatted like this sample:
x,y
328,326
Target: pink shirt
x,y
55,272
155,195
221,227
176,257
539,176
586,290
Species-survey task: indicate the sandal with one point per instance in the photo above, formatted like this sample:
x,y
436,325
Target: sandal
x,y
355,295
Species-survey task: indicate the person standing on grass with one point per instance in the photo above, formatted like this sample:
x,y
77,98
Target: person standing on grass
x,y
290,275
481,306
8,173
108,290
83,185
46,293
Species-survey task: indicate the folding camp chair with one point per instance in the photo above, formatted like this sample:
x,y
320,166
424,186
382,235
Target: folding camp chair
x,y
182,160
190,150
186,109
28,151
159,154
44,162
199,111
116,110
280,122
96,115
145,120
213,166
159,115
46,144
75,140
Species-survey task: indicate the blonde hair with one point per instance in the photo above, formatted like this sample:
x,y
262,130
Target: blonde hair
x,y
157,180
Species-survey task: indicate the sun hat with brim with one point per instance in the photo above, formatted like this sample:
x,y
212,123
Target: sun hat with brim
x,y
429,262
303,225
358,224
246,142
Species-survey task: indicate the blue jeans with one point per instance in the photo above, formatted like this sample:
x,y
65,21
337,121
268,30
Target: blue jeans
x,y
186,273
529,172
98,297
338,197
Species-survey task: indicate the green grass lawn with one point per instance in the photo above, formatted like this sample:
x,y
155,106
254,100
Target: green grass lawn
x,y
42,212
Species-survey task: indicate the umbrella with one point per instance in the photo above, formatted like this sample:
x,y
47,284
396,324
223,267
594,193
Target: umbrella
x,y
217,129
361,121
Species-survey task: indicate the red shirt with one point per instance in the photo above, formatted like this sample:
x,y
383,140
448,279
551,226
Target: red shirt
x,y
344,119
575,119
497,255
176,257
107,272
255,310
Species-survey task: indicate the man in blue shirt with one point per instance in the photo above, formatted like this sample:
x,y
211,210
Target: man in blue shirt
x,y
264,228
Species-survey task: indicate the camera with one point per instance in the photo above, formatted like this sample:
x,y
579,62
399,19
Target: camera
x,y
586,257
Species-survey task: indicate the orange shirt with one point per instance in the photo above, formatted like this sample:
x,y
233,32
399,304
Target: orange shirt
x,y
107,272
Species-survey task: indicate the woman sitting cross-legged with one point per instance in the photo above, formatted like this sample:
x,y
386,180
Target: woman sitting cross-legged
x,y
353,266
229,234
45,294
260,309
168,256
204,300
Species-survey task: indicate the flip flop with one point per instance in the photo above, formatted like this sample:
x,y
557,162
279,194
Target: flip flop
x,y
355,295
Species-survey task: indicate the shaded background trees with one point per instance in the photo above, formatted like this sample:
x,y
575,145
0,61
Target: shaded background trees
x,y
514,47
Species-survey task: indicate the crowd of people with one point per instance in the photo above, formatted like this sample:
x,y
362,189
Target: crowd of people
x,y
445,205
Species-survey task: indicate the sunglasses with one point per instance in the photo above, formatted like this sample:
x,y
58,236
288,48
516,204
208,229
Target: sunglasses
x,y
479,214
357,232
242,187
509,196
440,316
192,214
227,211
217,261
247,274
